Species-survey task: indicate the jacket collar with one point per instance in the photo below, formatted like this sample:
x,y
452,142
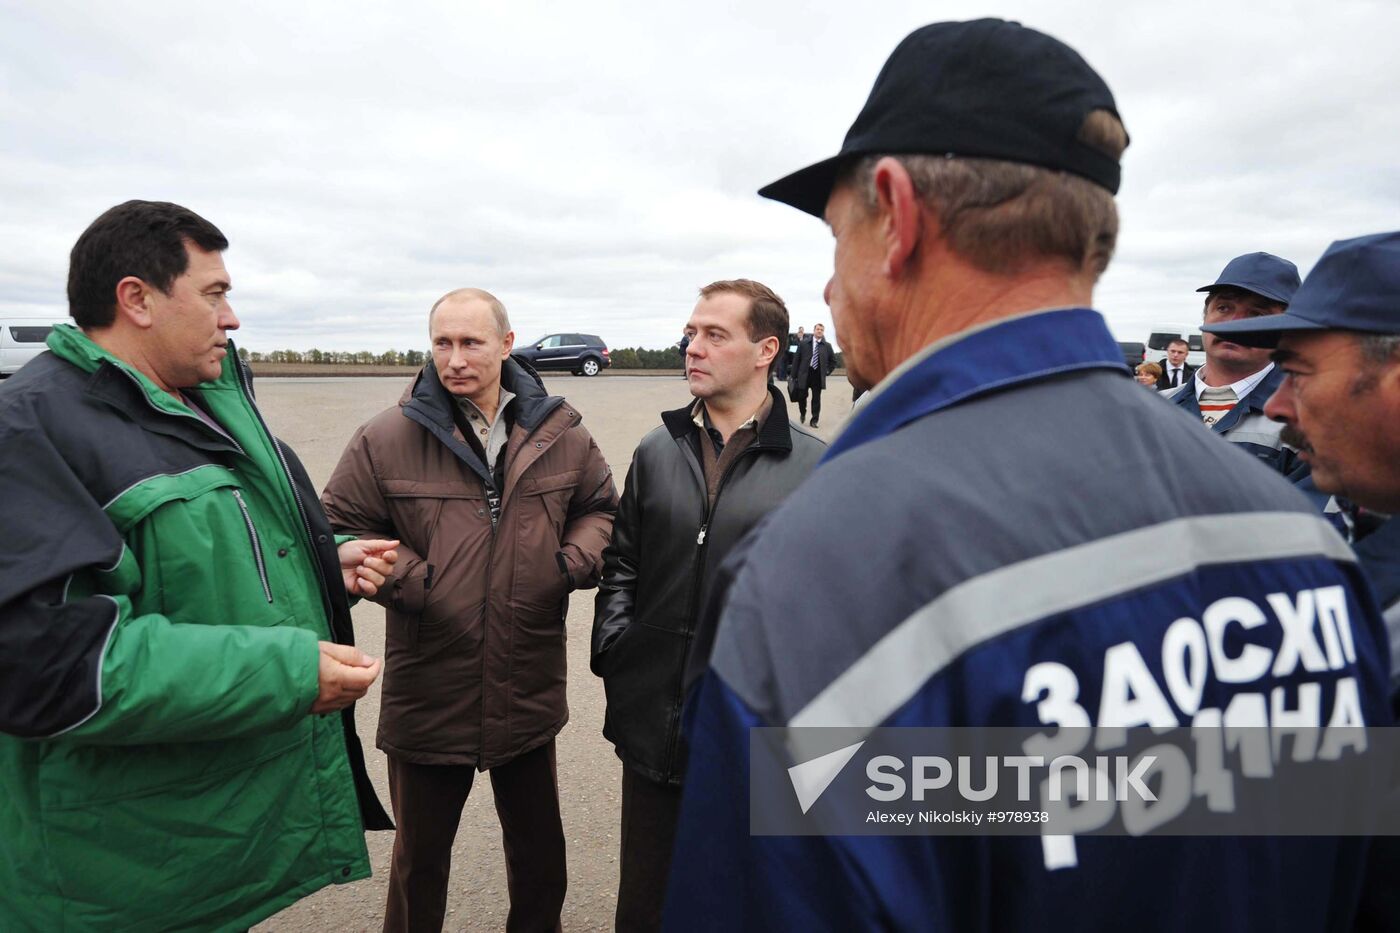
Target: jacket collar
x,y
774,433
428,403
1011,352
116,383
532,404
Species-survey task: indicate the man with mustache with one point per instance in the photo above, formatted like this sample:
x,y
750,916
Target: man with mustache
x,y
1338,400
1229,392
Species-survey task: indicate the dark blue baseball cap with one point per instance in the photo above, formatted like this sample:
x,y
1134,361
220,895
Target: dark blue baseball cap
x,y
1262,273
986,88
1354,286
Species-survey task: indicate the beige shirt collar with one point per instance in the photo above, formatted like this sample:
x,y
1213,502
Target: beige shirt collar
x,y
493,436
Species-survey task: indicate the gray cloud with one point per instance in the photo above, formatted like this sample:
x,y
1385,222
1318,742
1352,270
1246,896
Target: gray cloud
x,y
593,164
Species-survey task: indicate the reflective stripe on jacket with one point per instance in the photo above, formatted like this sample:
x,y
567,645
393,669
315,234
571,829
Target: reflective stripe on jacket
x,y
1001,533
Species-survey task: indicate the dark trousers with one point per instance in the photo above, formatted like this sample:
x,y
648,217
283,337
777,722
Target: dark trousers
x,y
427,801
815,387
650,812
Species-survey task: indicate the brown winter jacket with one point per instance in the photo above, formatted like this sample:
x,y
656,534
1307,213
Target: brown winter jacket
x,y
474,647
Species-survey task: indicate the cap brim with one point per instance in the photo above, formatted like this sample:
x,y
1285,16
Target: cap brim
x,y
808,189
1264,292
1262,331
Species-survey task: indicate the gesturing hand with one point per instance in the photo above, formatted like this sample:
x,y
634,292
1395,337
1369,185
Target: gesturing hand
x,y
365,563
346,675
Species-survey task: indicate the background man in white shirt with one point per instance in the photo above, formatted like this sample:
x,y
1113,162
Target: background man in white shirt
x,y
1229,392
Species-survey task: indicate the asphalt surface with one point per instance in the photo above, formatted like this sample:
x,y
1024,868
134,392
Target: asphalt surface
x,y
316,417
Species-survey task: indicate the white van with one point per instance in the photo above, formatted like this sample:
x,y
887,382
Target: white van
x,y
1163,334
22,339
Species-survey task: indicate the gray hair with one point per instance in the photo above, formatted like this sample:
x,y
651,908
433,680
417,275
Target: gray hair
x,y
1002,215
498,310
1378,349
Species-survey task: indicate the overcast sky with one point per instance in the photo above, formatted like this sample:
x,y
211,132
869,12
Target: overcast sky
x,y
593,164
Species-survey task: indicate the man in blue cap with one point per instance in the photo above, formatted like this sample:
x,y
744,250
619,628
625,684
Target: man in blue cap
x,y
1338,397
1011,553
1229,392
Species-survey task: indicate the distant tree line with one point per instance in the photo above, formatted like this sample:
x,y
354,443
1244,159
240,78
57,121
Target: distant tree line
x,y
631,358
626,358
317,357
639,358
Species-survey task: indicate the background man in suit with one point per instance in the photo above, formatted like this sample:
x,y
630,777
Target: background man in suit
x,y
789,354
1175,370
814,362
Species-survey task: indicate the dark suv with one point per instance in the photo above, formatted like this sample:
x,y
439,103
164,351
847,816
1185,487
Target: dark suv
x,y
1133,353
580,354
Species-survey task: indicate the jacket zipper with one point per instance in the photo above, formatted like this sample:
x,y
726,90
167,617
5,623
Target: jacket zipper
x,y
287,474
486,603
674,738
257,544
485,611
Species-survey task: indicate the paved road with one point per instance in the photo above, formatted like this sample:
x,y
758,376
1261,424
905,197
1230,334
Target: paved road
x,y
317,416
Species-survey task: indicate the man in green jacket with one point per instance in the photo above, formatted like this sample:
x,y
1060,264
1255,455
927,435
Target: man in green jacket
x,y
174,620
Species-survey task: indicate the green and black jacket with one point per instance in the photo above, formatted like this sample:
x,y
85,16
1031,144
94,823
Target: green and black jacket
x,y
163,588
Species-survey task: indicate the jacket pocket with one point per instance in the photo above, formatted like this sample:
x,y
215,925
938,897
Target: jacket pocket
x,y
255,542
642,681
195,536
444,522
539,586
552,494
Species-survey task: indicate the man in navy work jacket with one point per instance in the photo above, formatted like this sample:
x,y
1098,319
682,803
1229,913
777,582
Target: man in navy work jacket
x,y
1229,392
970,585
1338,401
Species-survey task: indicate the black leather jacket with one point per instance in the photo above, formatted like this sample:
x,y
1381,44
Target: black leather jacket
x,y
664,553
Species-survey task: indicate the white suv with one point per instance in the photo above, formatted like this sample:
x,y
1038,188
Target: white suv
x,y
22,339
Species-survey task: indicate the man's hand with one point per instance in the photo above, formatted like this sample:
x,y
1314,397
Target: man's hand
x,y
346,675
365,563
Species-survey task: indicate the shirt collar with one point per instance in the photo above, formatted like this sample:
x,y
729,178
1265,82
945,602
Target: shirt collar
x,y
701,416
1242,388
469,406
